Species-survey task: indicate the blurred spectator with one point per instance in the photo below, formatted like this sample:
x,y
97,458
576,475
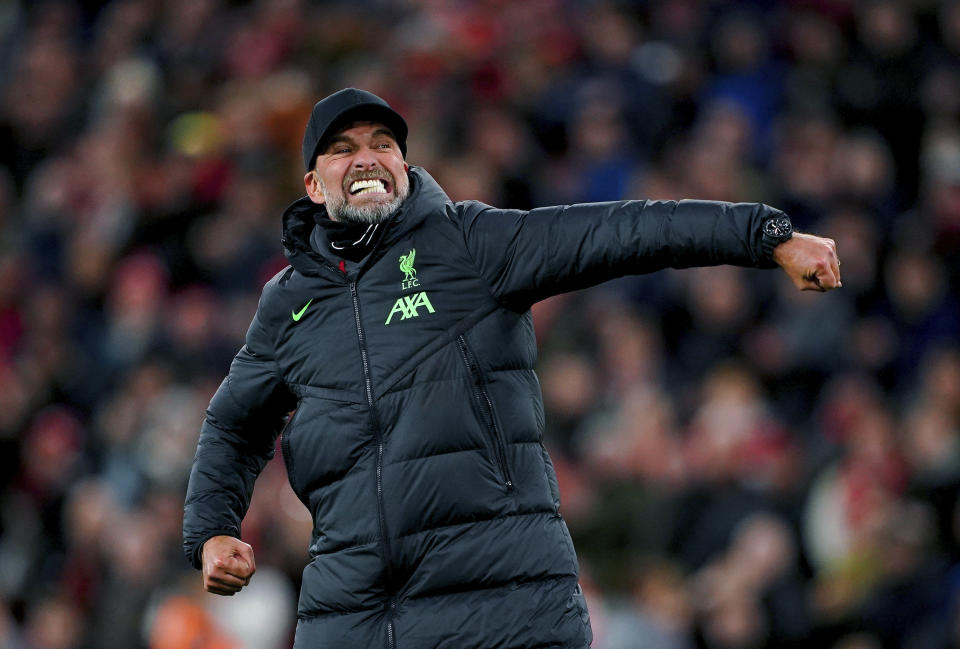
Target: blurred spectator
x,y
923,306
570,393
10,634
183,623
751,595
53,623
745,73
658,615
876,85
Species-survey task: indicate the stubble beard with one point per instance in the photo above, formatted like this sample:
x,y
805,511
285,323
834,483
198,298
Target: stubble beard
x,y
339,209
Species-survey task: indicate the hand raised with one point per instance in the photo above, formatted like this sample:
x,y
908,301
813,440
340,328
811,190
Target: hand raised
x,y
810,261
228,565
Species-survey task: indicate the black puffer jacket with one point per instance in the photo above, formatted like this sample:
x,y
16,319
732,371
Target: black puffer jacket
x,y
417,438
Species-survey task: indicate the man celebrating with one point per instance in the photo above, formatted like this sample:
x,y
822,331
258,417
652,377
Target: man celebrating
x,y
402,336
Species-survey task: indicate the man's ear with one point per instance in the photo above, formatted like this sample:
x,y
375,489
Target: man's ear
x,y
311,183
406,167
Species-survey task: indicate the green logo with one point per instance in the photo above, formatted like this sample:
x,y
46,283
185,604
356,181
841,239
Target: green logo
x,y
407,306
406,264
299,314
409,272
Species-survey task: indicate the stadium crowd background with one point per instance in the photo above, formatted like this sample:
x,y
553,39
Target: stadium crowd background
x,y
742,465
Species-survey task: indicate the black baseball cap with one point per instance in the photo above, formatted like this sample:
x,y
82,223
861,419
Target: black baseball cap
x,y
345,106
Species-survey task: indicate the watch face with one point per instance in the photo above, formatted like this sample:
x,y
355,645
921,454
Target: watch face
x,y
778,228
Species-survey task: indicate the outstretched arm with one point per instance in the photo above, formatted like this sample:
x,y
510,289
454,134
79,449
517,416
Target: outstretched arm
x,y
527,256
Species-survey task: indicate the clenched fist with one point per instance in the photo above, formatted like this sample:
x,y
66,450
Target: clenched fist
x,y
228,565
811,262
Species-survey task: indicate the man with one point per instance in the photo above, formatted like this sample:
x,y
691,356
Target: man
x,y
401,334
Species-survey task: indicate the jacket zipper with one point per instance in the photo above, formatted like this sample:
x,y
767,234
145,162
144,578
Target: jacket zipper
x,y
486,407
368,385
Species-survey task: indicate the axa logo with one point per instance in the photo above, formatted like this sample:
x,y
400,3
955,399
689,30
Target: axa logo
x,y
409,306
409,272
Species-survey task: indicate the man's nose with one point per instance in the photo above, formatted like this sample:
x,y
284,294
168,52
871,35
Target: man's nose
x,y
364,159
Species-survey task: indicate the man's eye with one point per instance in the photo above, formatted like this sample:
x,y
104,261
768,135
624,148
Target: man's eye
x,y
383,145
342,149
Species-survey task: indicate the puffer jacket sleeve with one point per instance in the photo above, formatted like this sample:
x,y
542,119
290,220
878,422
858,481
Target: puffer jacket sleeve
x,y
237,439
526,256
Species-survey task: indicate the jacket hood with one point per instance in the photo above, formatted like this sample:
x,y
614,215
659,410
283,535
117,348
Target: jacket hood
x,y
299,220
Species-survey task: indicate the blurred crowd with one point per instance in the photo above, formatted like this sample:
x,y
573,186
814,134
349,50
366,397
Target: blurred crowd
x,y
742,466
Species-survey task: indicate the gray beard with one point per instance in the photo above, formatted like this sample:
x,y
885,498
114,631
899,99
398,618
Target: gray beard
x,y
340,210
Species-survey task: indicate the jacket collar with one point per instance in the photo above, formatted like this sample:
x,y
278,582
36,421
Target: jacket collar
x,y
425,197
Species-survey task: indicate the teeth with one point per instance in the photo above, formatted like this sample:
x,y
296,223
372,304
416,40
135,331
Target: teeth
x,y
371,186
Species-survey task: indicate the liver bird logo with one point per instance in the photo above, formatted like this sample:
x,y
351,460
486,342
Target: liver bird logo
x,y
406,265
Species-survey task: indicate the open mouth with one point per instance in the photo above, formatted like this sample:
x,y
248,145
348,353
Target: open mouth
x,y
370,186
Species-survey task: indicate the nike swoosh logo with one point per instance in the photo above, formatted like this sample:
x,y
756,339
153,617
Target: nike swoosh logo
x,y
299,314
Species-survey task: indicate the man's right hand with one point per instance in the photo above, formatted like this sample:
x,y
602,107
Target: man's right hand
x,y
228,565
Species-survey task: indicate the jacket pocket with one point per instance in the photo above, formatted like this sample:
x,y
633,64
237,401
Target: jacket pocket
x,y
287,453
485,406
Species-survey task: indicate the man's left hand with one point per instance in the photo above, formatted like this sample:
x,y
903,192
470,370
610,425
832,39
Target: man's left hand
x,y
811,262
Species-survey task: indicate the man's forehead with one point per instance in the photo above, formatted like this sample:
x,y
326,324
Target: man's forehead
x,y
374,128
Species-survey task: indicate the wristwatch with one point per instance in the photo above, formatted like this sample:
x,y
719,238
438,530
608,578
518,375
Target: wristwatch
x,y
776,230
